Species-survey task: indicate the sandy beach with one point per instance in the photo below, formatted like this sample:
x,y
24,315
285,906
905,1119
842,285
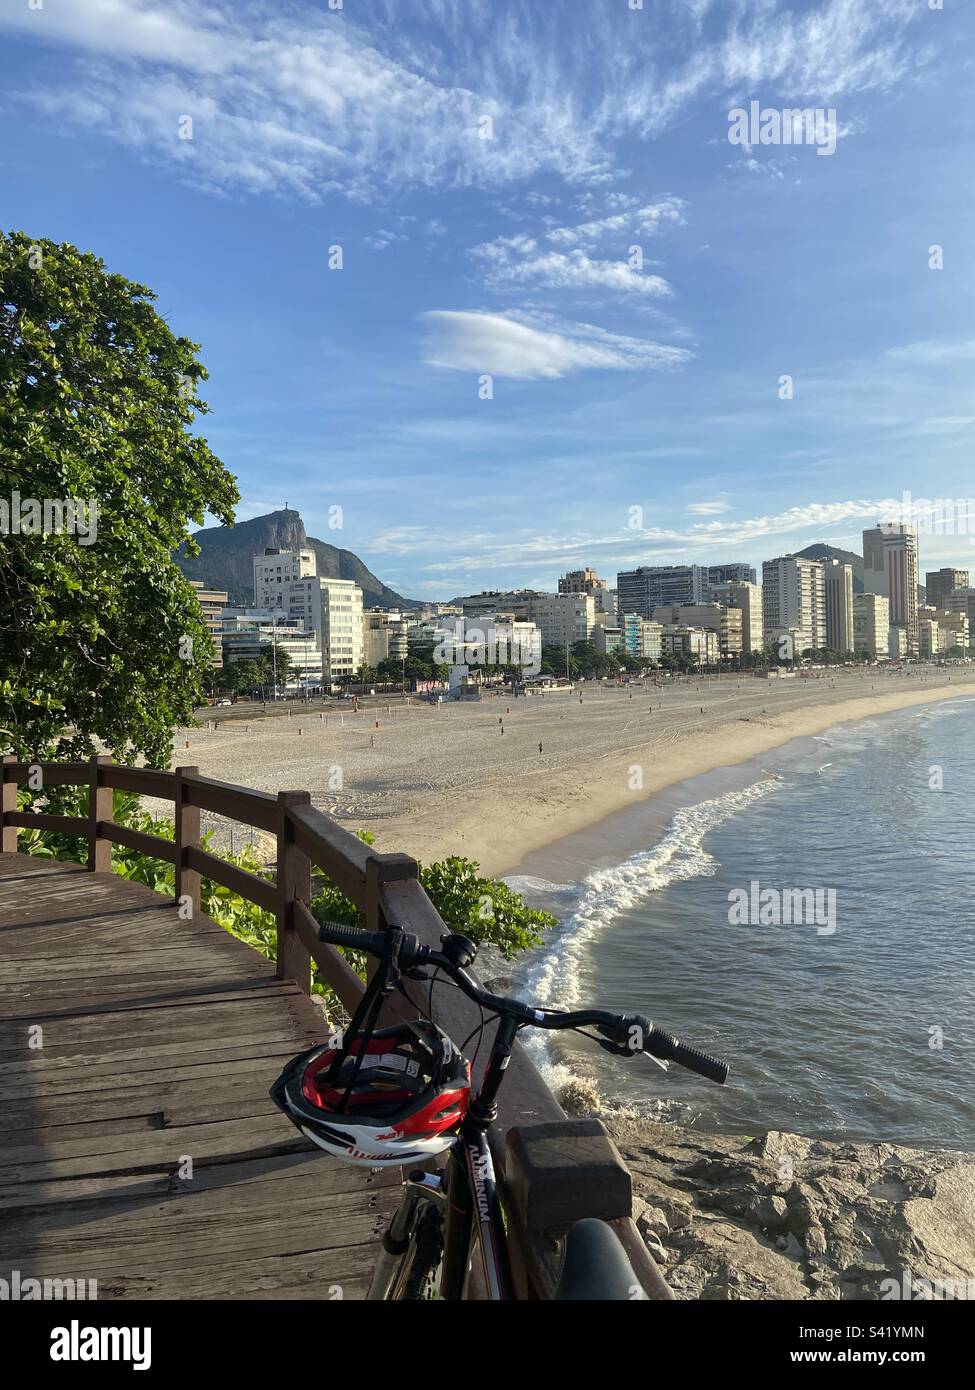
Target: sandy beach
x,y
432,781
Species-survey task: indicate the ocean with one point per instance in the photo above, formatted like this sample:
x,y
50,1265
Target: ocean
x,y
846,1014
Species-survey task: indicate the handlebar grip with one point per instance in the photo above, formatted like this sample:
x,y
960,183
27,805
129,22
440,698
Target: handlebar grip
x,y
338,934
669,1048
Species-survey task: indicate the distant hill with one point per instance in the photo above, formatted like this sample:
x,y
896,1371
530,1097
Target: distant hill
x,y
226,559
820,551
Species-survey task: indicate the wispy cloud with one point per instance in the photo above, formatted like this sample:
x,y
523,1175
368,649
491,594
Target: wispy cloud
x,y
304,101
519,261
511,346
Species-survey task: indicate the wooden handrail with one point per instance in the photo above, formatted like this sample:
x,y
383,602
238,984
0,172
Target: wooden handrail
x,y
386,890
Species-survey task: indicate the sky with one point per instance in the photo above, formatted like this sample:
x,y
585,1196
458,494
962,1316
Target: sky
x,y
487,282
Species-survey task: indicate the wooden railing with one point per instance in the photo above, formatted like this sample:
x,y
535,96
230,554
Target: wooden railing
x,y
552,1170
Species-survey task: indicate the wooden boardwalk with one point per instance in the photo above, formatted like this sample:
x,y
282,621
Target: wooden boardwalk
x,y
138,1145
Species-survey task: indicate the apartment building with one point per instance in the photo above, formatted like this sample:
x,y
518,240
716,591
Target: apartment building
x,y
654,586
275,570
794,600
287,583
890,568
953,630
249,633
641,637
839,605
731,574
212,603
384,636
871,624
746,596
726,622
608,637
963,601
939,585
697,644
585,581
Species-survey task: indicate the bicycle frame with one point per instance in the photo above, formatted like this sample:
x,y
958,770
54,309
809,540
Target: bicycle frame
x,y
467,1195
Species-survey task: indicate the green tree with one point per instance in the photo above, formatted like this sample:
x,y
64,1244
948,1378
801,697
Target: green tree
x,y
101,637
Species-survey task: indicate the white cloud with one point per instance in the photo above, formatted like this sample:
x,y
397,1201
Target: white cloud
x,y
506,346
645,221
709,508
305,101
518,260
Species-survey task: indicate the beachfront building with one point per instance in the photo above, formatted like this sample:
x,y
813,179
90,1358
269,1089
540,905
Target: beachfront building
x,y
794,599
963,601
890,568
385,636
697,644
212,603
939,585
953,630
871,626
929,639
493,639
726,622
608,637
897,643
747,598
287,582
641,638
839,605
247,634
561,618
654,586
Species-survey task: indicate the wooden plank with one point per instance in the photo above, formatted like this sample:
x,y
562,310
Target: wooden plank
x,y
243,804
249,886
143,781
138,840
331,848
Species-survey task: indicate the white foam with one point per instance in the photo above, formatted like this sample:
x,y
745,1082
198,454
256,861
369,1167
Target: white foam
x,y
552,976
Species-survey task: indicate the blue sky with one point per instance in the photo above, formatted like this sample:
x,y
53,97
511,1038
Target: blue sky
x,y
614,387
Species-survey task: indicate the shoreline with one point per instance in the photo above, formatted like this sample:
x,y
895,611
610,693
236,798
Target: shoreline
x,y
707,756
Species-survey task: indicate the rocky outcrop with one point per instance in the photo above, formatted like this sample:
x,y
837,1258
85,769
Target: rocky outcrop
x,y
784,1217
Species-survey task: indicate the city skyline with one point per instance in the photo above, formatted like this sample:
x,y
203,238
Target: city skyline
x,y
614,388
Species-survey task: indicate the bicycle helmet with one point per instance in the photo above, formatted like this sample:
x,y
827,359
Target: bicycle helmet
x,y
402,1103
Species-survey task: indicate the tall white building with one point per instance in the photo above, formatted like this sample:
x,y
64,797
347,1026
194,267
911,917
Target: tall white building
x,y
746,597
794,598
870,625
890,568
286,582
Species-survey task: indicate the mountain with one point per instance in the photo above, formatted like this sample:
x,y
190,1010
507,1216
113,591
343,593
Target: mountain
x,y
821,551
226,558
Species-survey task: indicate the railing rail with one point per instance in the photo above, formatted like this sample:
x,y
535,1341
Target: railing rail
x,y
576,1159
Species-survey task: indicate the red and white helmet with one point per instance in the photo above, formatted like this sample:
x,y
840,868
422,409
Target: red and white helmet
x,y
406,1102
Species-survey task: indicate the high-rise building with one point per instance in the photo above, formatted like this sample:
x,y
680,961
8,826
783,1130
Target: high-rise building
x,y
963,601
286,582
839,605
275,570
731,574
939,585
870,625
747,598
794,600
652,586
890,568
561,618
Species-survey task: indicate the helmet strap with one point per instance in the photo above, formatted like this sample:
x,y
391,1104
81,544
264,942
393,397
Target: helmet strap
x,y
363,1022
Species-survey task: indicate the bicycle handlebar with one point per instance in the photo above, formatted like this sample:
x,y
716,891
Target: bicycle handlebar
x,y
623,1035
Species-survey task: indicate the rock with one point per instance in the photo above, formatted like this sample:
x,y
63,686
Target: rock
x,y
783,1216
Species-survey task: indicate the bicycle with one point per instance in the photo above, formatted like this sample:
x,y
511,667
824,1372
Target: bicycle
x,y
445,1217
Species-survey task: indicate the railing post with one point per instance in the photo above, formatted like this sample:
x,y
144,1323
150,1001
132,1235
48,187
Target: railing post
x,y
187,835
9,842
294,882
100,807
